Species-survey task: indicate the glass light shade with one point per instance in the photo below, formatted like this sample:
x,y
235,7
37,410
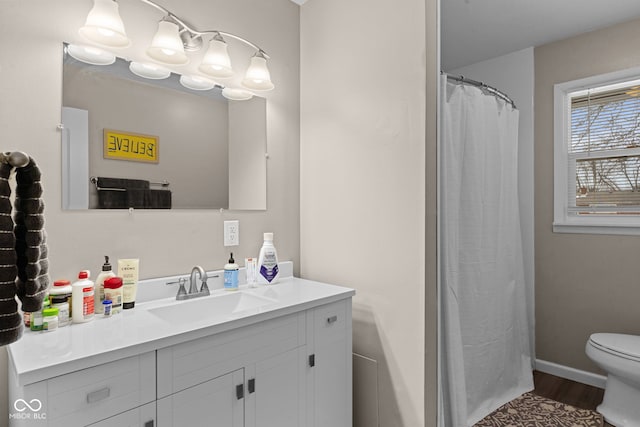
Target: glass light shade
x,y
236,94
149,71
197,82
104,25
91,55
216,62
257,76
166,46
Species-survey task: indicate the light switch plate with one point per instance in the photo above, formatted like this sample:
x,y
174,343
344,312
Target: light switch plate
x,y
232,233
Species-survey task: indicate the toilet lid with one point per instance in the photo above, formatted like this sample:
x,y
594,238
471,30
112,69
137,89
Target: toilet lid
x,y
624,345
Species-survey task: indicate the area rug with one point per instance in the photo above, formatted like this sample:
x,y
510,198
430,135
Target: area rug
x,y
530,410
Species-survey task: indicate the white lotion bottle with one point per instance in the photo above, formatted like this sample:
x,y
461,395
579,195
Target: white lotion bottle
x,y
98,295
82,297
268,261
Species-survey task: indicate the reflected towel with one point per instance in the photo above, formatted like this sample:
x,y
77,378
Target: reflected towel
x,y
117,198
148,199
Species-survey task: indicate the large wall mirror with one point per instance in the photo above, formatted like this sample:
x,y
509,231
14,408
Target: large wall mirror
x,y
134,142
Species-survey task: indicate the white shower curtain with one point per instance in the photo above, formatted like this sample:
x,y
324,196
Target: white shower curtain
x,y
485,355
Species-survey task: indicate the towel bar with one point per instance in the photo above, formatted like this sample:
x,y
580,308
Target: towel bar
x,y
94,180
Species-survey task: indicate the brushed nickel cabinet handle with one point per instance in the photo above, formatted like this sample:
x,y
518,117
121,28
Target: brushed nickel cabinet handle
x,y
98,395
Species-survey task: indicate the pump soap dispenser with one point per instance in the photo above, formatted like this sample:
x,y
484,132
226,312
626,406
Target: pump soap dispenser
x,y
231,275
105,274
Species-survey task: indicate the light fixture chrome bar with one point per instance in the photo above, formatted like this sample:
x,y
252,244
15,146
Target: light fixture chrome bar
x,y
195,32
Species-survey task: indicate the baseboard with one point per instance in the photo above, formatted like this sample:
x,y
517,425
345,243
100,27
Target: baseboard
x,y
573,374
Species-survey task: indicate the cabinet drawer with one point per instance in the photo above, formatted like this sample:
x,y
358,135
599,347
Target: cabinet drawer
x,y
330,319
93,394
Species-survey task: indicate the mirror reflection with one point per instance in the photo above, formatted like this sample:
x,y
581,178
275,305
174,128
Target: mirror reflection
x,y
134,142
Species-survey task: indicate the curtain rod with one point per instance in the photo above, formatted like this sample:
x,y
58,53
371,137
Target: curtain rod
x,y
492,90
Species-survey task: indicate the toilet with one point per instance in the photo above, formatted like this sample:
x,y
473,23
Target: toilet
x,y
619,356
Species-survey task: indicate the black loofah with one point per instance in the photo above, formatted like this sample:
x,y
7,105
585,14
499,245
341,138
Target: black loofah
x,y
23,249
7,257
33,267
8,274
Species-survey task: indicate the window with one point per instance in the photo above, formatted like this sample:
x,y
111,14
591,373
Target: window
x,y
597,154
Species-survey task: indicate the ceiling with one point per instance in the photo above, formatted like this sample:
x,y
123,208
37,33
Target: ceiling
x,y
475,30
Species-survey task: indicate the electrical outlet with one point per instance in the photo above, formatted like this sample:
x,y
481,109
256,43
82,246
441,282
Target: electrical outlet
x,y
232,233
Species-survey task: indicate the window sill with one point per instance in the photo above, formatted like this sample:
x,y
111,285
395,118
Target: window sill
x,y
597,228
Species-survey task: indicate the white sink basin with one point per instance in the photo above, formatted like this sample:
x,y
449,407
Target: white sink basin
x,y
220,306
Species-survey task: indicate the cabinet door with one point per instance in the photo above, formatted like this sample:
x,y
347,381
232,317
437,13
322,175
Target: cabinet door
x,y
331,371
144,416
216,403
276,391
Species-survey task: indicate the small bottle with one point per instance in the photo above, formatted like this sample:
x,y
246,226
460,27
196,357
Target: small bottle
x,y
250,265
50,319
231,275
62,304
268,261
83,298
113,292
36,316
106,307
105,274
61,288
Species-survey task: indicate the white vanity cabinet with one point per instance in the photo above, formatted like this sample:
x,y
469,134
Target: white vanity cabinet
x,y
288,366
291,371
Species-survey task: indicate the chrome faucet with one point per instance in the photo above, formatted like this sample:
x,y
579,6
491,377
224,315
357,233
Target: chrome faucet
x,y
193,287
192,280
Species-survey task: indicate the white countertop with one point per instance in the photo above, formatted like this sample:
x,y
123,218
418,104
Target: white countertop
x,y
41,355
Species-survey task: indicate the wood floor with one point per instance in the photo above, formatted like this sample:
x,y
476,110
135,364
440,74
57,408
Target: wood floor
x,y
566,391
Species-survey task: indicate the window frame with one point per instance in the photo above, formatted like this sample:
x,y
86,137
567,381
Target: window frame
x,y
563,222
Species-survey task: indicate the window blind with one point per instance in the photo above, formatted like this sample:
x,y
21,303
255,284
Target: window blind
x,y
604,150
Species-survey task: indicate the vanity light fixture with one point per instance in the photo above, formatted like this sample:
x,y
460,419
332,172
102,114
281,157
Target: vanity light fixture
x,y
149,70
171,43
167,46
216,61
104,25
236,94
91,55
197,82
258,77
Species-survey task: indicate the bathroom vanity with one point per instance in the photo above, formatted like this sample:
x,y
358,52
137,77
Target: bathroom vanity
x,y
272,356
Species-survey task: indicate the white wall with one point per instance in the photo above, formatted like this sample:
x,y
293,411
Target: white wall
x,y
513,74
363,97
31,34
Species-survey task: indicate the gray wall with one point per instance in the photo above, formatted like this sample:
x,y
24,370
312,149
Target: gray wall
x,y
31,35
584,283
366,203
